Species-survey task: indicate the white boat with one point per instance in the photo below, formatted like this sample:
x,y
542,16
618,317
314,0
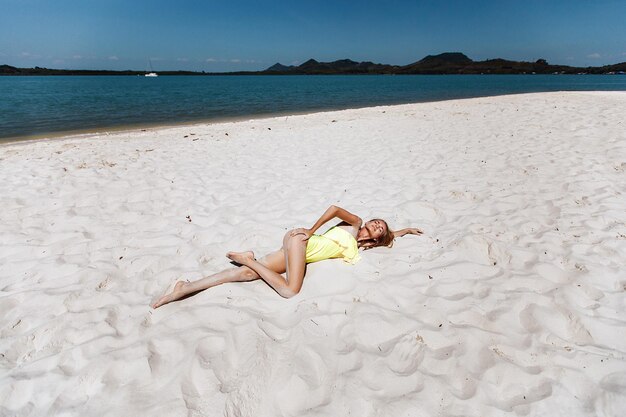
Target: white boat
x,y
151,73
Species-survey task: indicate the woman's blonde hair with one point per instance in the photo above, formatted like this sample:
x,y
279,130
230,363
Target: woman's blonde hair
x,y
385,240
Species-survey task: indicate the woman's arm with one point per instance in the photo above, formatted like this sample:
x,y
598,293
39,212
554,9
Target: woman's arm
x,y
334,211
407,231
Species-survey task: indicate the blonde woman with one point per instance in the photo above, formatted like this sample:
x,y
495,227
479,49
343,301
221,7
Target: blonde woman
x,y
300,247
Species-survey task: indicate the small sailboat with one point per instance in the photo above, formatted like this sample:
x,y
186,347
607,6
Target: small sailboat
x,y
151,73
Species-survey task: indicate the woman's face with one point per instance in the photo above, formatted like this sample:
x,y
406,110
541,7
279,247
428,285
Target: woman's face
x,y
376,228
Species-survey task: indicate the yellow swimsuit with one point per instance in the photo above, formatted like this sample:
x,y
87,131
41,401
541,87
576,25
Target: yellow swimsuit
x,y
335,243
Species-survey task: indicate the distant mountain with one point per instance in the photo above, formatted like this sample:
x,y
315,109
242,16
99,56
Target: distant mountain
x,y
447,57
310,64
449,61
446,63
8,70
343,66
279,67
434,64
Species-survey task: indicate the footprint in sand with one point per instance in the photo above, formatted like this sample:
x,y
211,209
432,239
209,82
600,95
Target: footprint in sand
x,y
613,400
477,248
274,332
407,354
518,395
559,322
416,210
307,386
200,389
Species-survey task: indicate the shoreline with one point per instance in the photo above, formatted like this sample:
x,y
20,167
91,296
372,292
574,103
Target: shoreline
x,y
134,128
83,133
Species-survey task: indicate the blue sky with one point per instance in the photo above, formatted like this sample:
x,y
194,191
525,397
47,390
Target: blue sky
x,y
252,35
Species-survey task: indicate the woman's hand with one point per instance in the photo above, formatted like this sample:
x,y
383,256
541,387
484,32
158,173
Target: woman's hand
x,y
302,231
407,231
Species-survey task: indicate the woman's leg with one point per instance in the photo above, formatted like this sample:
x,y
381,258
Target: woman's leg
x,y
294,248
274,261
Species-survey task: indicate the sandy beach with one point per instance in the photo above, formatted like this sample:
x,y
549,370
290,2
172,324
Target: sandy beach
x,y
512,302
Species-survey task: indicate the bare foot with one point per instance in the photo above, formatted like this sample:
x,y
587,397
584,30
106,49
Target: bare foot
x,y
176,293
240,257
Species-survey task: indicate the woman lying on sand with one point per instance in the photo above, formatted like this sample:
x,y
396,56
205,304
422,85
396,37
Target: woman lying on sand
x,y
300,247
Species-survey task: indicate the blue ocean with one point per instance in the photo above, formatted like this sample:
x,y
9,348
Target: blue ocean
x,y
40,105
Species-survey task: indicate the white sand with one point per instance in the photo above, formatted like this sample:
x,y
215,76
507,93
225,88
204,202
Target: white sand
x,y
512,303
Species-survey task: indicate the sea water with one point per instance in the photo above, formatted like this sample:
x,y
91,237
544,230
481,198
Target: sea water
x,y
41,105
